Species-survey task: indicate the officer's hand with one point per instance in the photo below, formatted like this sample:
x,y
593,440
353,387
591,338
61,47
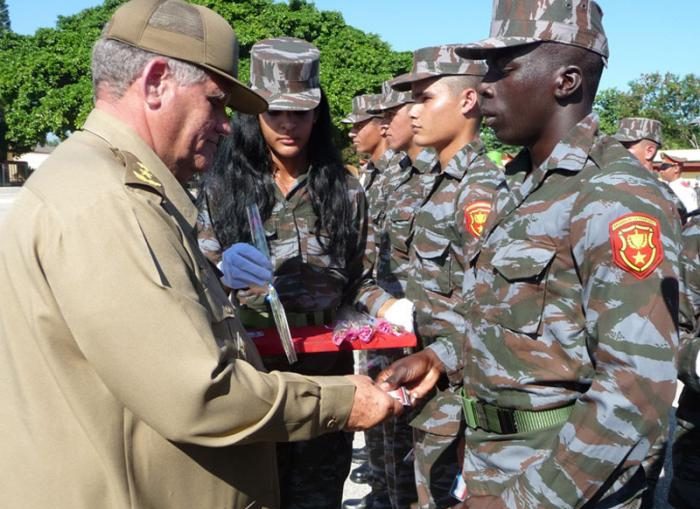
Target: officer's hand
x,y
400,313
418,372
370,406
244,266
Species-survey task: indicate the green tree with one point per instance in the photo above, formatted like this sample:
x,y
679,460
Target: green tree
x,y
45,78
669,98
5,25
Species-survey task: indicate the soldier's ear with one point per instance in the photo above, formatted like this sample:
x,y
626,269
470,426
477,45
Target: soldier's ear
x,y
469,101
568,81
155,81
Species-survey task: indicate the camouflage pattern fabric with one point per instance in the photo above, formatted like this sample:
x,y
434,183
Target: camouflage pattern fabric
x,y
571,300
684,492
390,98
446,230
406,187
634,129
306,280
519,22
435,61
285,71
360,105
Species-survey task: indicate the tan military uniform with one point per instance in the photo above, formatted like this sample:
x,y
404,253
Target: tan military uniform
x,y
126,378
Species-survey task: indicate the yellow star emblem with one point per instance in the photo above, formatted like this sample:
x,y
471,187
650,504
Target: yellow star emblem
x,y
639,258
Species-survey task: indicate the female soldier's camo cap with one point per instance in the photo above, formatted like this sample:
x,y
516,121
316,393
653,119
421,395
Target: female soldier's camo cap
x,y
520,22
191,33
285,71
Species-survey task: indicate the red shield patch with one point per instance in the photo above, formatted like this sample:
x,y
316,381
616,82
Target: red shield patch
x,y
636,244
475,216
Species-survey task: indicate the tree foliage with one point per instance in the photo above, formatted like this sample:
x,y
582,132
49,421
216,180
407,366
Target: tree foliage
x,y
669,98
45,78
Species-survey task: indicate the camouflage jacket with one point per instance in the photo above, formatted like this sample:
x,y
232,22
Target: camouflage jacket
x,y
305,277
572,300
690,305
406,186
447,229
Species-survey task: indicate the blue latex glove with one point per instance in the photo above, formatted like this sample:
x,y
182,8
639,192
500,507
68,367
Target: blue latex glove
x,y
244,266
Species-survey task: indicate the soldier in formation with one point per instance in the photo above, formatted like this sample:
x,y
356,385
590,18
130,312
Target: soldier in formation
x,y
572,298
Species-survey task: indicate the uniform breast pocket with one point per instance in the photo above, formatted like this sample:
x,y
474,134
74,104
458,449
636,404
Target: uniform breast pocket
x,y
434,261
520,285
317,250
399,229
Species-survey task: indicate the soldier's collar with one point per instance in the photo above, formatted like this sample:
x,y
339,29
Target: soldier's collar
x,y
571,153
148,169
463,159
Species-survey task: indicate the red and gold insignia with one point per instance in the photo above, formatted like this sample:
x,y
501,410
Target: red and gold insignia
x,y
636,244
475,216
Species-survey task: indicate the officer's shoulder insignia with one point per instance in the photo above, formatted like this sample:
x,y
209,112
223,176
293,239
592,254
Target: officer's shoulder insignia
x,y
636,243
136,172
475,216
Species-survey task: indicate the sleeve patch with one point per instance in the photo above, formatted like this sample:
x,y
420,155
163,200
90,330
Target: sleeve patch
x,y
636,243
475,216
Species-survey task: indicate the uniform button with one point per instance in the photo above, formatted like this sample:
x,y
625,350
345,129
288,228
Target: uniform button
x,y
331,423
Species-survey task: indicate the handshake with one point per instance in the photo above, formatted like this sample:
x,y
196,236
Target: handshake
x,y
399,385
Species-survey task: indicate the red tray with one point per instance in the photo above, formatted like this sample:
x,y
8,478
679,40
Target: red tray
x,y
318,338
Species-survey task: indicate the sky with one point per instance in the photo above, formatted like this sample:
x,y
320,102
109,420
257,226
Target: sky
x,y
644,35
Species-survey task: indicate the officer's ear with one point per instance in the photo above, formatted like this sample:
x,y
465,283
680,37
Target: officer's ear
x,y
156,80
568,81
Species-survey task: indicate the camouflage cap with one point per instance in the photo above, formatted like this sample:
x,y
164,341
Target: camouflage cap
x,y
438,61
519,22
391,98
285,71
360,105
187,32
638,128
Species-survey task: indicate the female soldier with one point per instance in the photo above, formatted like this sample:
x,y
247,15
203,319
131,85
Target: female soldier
x,y
314,216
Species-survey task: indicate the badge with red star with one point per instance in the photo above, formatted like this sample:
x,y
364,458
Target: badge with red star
x,y
475,216
636,244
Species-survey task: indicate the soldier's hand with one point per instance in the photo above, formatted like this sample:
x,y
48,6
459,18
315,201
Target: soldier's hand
x,y
418,372
371,405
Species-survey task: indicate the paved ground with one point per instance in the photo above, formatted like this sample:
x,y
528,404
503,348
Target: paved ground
x,y
352,490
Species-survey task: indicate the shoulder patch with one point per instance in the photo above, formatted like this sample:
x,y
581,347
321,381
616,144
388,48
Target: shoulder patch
x,y
636,243
475,216
137,173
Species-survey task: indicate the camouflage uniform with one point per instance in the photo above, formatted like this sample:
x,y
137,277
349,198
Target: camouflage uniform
x,y
311,286
684,492
446,228
447,231
553,281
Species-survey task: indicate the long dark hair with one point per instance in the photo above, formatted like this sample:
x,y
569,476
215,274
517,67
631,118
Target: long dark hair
x,y
242,172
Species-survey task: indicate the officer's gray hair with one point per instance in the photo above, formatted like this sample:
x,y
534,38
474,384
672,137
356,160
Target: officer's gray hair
x,y
116,65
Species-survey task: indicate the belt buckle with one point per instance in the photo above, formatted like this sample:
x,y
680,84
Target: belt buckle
x,y
506,418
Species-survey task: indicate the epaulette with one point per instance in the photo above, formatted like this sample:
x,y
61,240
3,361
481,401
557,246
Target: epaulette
x,y
136,173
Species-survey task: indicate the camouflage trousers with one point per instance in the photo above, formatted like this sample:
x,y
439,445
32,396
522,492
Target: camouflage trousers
x,y
436,467
312,472
390,447
684,492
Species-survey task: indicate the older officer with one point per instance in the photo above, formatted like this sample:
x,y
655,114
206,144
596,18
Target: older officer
x,y
127,379
572,299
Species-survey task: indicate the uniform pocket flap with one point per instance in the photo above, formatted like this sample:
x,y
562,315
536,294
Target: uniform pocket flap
x,y
523,260
429,244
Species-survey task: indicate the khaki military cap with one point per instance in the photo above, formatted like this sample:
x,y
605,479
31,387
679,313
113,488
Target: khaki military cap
x,y
285,71
437,61
519,22
634,129
391,98
360,105
667,157
187,32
